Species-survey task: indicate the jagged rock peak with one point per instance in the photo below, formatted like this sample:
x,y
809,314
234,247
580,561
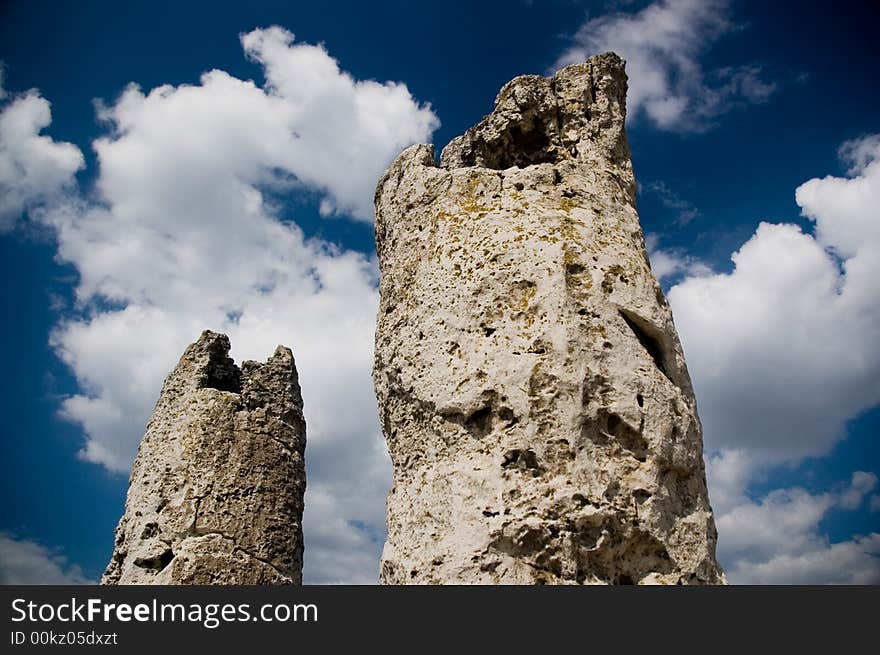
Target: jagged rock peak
x,y
216,491
577,114
532,388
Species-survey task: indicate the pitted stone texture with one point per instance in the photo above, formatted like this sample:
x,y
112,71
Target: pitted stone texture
x,y
531,385
216,491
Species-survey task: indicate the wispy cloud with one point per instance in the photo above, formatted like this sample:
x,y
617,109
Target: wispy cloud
x,y
685,212
663,44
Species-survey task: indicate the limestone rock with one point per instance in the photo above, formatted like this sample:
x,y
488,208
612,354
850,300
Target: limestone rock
x,y
216,491
531,385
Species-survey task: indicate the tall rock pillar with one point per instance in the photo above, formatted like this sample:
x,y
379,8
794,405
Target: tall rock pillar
x,y
216,491
531,385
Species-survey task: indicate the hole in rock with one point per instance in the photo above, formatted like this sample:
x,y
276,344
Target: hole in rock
x,y
479,423
524,459
506,414
157,563
628,438
221,373
522,144
649,343
150,530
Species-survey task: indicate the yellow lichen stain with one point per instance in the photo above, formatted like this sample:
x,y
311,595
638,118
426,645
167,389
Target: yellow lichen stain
x,y
615,271
470,204
566,204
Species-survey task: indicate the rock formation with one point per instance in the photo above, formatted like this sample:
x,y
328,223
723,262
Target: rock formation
x,y
531,385
216,491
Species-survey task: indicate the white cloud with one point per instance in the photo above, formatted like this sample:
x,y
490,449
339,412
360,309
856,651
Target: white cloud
x,y
27,562
187,232
859,153
668,263
777,540
784,351
728,474
33,168
793,333
347,131
856,561
662,44
862,484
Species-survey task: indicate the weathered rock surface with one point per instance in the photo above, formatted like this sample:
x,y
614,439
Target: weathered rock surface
x,y
216,491
531,385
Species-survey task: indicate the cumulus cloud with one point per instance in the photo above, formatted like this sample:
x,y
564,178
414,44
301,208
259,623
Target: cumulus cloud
x,y
793,333
777,539
856,561
34,169
669,263
783,351
662,44
188,229
346,132
23,561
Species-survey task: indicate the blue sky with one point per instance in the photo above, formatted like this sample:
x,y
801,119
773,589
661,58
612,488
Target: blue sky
x,y
114,256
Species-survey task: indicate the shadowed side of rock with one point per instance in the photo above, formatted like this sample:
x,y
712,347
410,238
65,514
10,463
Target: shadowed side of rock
x,y
531,385
216,492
